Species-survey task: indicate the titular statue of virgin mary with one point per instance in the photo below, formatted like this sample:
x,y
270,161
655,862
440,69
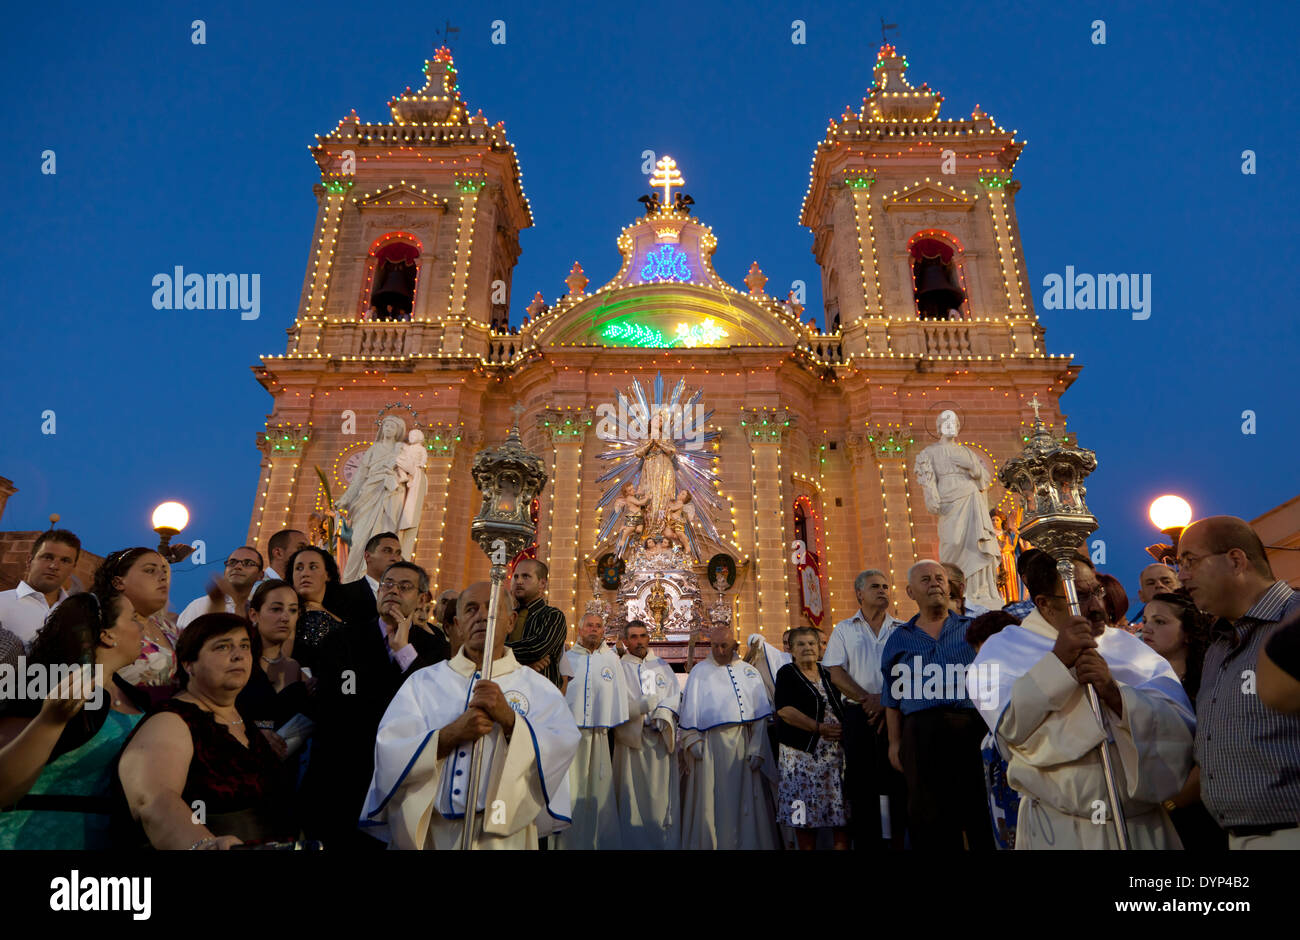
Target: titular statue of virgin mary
x,y
661,447
954,482
376,496
658,473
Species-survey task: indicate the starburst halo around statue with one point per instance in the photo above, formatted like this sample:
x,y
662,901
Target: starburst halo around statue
x,y
662,483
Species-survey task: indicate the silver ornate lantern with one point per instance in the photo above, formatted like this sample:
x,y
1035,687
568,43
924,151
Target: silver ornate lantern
x,y
1049,477
510,478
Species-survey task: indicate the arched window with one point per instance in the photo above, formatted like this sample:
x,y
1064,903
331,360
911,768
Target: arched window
x,y
937,283
394,275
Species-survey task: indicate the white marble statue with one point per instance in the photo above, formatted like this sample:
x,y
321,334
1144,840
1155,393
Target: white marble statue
x,y
375,498
411,462
955,483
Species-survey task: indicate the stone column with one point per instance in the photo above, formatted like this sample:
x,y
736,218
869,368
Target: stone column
x,y
776,608
562,553
282,445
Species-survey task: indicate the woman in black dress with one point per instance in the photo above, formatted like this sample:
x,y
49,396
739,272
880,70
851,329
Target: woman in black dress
x,y
232,787
277,689
313,571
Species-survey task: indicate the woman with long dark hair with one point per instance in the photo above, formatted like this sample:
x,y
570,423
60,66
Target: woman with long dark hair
x,y
313,572
1174,628
56,773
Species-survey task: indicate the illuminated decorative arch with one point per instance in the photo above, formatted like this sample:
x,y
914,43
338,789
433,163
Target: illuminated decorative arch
x,y
391,246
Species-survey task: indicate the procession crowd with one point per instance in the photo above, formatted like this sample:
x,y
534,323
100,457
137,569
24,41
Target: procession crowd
x,y
286,708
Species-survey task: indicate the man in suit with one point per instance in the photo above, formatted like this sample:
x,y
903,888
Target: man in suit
x,y
363,664
356,599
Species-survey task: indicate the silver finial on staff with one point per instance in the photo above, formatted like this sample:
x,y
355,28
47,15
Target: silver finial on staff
x,y
510,478
1049,477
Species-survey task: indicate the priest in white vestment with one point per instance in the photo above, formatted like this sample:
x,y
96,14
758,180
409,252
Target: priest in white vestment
x,y
725,753
767,659
418,796
646,776
1029,683
597,697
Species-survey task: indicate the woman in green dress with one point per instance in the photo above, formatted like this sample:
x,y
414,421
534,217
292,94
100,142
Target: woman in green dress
x,y
56,761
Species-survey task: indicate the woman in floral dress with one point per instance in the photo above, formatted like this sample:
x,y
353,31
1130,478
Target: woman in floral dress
x,y
810,717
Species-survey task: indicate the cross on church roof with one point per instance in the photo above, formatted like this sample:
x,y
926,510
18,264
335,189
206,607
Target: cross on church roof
x,y
666,175
1033,403
518,409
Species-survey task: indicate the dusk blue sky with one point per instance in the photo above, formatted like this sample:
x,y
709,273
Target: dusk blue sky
x,y
174,154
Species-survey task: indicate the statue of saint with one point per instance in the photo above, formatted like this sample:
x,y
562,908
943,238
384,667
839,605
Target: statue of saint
x,y
955,482
375,498
410,474
658,473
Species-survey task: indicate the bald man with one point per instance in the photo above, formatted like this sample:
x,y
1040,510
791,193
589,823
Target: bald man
x,y
1156,579
597,697
725,753
417,797
1249,755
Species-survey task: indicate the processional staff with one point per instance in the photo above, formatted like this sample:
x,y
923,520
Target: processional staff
x,y
510,478
1049,477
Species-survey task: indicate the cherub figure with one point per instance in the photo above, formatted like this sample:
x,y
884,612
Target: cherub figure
x,y
679,513
633,504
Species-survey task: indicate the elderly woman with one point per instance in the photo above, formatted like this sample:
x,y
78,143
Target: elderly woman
x,y
144,577
313,572
195,774
810,717
56,774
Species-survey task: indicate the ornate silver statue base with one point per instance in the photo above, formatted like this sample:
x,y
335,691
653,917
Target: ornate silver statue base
x,y
662,581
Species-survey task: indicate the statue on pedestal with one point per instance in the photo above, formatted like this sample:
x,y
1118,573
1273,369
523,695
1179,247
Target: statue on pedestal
x,y
955,483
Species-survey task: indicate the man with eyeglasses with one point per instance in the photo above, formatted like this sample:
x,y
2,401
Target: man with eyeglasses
x,y
362,665
229,592
356,599
1249,755
1029,683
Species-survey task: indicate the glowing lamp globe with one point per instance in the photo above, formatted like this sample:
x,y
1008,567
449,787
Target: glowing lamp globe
x,y
170,518
1170,512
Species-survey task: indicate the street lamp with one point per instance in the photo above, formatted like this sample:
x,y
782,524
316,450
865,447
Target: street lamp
x,y
168,520
1170,514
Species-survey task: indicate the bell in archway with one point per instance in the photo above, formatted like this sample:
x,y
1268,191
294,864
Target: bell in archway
x,y
394,293
936,293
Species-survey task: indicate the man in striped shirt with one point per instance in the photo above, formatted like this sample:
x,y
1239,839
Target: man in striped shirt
x,y
537,639
1248,754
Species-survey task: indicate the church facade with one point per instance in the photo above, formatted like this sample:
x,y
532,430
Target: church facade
x,y
404,310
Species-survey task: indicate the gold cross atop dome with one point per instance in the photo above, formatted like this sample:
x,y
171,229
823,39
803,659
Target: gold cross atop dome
x,y
666,175
1033,403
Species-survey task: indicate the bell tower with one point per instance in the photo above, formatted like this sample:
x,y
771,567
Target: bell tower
x,y
913,218
408,275
418,223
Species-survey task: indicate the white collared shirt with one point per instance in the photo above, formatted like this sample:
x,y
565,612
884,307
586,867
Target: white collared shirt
x,y
374,585
23,611
856,647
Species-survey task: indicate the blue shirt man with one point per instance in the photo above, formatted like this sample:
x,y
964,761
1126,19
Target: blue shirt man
x,y
934,730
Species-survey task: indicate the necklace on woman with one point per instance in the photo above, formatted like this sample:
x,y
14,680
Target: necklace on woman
x,y
271,662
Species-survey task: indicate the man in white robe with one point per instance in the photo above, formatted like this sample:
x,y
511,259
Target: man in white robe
x,y
1029,683
646,776
418,796
597,697
726,753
